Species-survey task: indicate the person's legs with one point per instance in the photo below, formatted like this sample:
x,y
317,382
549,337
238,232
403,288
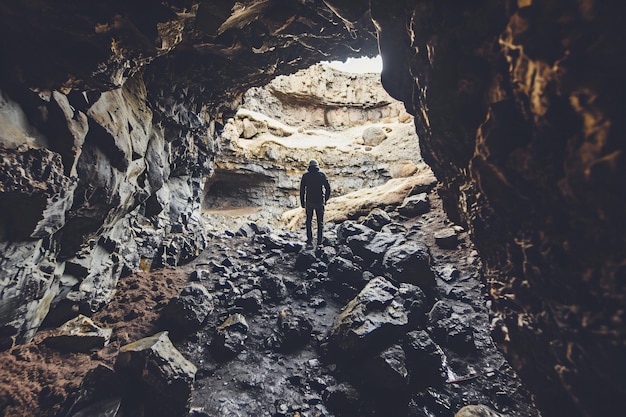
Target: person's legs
x,y
309,221
319,215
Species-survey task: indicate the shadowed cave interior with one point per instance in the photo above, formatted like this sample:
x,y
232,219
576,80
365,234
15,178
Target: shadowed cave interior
x,y
493,276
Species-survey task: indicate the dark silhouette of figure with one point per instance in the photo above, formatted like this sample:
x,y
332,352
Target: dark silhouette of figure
x,y
314,192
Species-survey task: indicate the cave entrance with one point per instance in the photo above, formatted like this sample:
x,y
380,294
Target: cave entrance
x,y
337,113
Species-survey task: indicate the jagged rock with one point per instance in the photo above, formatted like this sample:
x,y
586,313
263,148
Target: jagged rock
x,y
376,317
276,242
423,359
230,337
342,399
451,329
374,136
274,286
345,270
386,372
100,394
199,275
294,329
80,334
188,311
158,374
350,228
446,238
249,130
372,248
394,228
377,219
304,260
415,205
409,262
250,301
351,105
477,411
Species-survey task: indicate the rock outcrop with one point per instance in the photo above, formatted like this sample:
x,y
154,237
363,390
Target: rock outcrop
x,y
110,112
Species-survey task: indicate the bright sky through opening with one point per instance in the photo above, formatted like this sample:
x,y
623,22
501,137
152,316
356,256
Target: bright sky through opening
x,y
359,65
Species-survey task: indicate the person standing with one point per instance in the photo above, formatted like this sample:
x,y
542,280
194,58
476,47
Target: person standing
x,y
314,192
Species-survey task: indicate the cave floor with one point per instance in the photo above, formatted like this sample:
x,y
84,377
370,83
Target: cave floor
x,y
265,379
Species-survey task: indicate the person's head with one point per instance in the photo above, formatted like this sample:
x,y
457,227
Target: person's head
x,y
313,164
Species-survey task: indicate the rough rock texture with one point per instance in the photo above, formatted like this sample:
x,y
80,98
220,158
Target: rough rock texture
x,y
518,109
323,96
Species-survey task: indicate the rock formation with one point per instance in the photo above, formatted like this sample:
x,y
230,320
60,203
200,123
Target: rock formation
x,y
110,113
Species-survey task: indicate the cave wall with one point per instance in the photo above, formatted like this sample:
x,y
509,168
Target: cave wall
x,y
110,111
109,118
518,110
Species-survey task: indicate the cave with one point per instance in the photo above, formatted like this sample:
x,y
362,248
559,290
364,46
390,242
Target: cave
x,y
111,115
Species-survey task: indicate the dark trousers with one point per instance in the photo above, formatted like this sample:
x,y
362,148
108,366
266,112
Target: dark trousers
x,y
319,215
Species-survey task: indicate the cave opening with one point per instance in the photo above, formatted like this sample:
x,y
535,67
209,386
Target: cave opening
x,y
335,112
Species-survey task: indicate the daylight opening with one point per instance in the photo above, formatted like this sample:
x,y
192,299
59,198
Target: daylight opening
x,y
335,112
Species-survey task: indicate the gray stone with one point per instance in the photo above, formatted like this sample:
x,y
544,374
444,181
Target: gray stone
x,y
189,310
80,334
230,337
423,359
345,270
451,329
415,205
372,248
350,228
387,372
249,130
342,399
160,370
374,136
250,301
410,262
376,317
294,329
377,219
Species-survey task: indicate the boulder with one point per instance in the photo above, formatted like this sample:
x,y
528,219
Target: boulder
x,y
230,337
410,262
99,395
415,205
188,311
350,228
377,219
375,318
80,334
249,130
294,329
274,287
345,270
451,329
373,136
304,260
423,359
157,374
372,248
250,301
342,399
386,372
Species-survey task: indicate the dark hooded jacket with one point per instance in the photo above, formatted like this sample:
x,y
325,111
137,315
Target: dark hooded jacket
x,y
311,193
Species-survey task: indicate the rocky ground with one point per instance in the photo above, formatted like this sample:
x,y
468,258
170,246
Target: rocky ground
x,y
388,317
281,336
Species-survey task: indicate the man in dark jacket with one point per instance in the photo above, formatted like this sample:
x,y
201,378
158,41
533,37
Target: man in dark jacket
x,y
313,198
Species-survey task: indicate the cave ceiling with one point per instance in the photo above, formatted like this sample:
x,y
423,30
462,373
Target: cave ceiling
x,y
203,54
